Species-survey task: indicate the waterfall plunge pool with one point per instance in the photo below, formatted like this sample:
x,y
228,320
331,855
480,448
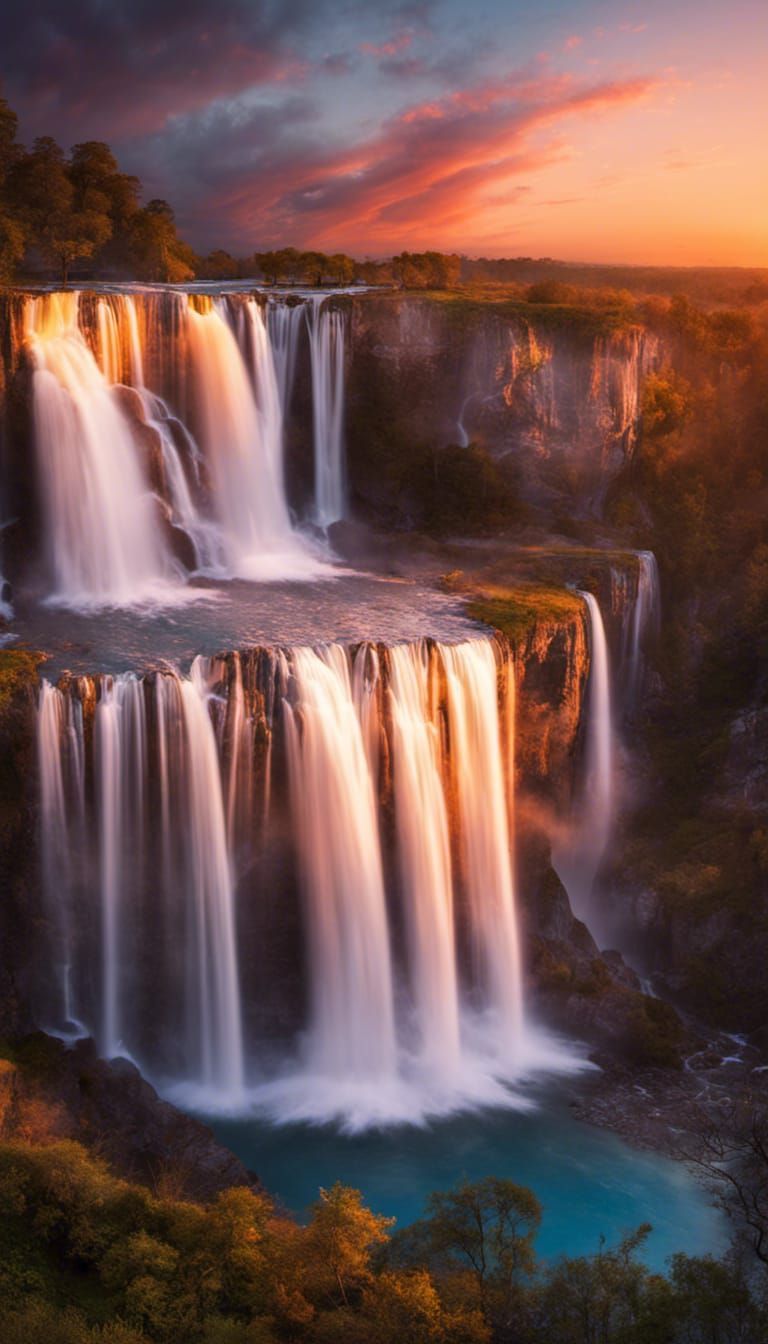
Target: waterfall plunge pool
x,y
589,1181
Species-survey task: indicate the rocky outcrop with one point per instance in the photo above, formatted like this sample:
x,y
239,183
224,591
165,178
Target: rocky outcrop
x,y
49,1091
584,992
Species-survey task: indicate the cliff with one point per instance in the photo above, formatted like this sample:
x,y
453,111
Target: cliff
x,y
551,394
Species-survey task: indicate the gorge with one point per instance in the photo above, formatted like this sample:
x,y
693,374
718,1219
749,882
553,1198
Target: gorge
x,y
330,796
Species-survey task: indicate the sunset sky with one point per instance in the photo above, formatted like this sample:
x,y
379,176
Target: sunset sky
x,y
605,131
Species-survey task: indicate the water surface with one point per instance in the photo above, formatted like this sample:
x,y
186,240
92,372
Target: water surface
x,y
590,1183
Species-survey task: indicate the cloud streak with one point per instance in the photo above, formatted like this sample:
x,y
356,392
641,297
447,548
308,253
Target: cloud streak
x,y
423,175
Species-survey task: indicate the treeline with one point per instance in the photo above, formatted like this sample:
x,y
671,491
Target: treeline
x,y
408,270
57,210
86,1257
704,284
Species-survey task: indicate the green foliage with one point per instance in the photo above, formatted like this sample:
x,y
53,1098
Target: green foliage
x,y
18,673
517,610
313,268
666,403
156,250
460,490
80,208
86,1258
426,270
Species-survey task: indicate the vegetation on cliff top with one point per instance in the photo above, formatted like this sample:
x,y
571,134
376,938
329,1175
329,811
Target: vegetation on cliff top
x,y
516,610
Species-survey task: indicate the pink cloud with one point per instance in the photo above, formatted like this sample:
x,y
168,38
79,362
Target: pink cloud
x,y
427,173
394,47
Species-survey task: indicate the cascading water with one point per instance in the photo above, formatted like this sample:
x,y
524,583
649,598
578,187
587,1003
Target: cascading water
x,y
102,529
284,324
411,998
241,437
477,760
326,339
425,861
646,611
130,501
60,744
352,1030
578,854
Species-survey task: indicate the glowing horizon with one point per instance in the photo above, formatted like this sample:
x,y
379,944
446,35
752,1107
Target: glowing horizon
x,y
583,131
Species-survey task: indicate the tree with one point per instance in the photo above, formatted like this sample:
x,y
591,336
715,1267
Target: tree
x,y
729,1147
342,268
486,1229
313,266
10,149
64,228
99,184
218,265
338,1245
156,249
426,270
597,1299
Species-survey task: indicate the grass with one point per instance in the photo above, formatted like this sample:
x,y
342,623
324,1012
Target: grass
x,y
580,320
516,610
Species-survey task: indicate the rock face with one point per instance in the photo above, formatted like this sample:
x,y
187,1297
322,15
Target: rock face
x,y
558,405
51,1092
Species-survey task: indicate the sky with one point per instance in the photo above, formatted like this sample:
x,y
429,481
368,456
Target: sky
x,y
612,130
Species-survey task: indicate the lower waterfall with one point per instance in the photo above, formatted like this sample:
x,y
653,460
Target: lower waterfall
x,y
285,881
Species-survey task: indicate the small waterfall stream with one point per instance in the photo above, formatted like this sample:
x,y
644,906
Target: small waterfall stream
x,y
326,338
580,849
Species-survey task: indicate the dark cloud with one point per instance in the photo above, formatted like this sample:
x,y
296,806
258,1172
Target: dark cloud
x,y
223,107
120,68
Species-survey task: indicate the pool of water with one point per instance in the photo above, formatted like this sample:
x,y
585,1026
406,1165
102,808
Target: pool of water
x,y
590,1183
347,607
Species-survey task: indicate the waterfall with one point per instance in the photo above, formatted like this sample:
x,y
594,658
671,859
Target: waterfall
x,y
284,323
214,996
121,776
326,340
122,476
645,617
155,888
478,766
62,813
425,861
578,855
240,429
102,530
387,857
352,1029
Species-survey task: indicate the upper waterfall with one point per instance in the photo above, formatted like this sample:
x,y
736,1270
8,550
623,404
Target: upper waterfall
x,y
185,472
103,538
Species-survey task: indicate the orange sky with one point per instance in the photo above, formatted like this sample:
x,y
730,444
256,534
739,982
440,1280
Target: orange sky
x,y
600,131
